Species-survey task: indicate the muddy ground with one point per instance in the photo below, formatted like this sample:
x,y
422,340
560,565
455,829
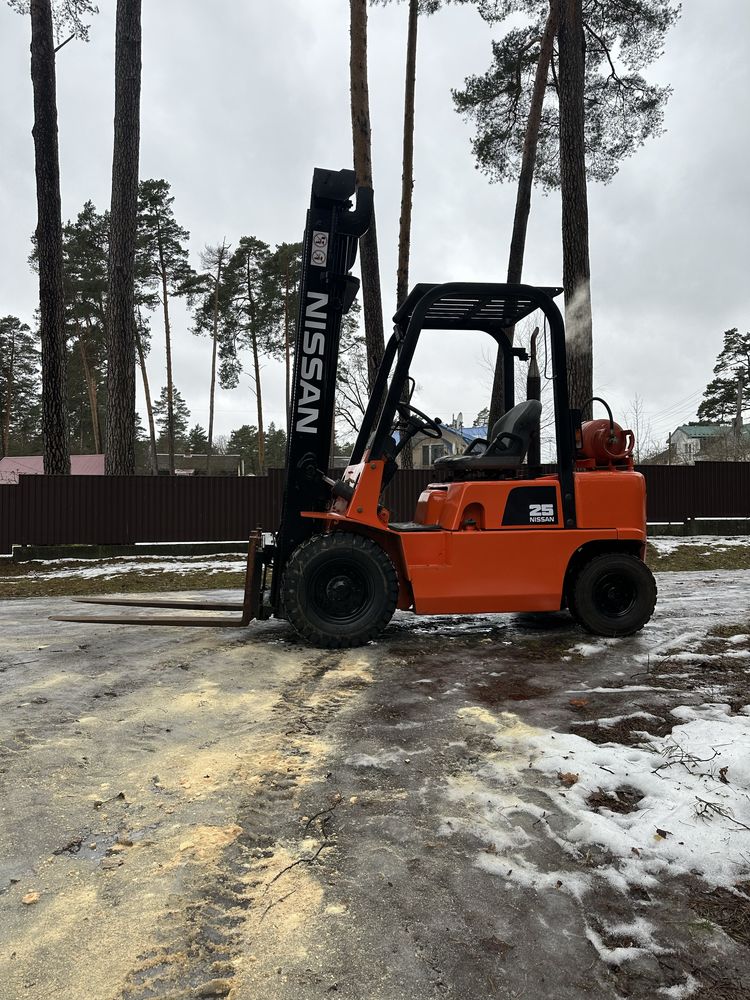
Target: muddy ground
x,y
199,813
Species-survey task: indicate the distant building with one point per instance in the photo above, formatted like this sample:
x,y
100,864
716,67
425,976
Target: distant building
x,y
195,465
13,466
454,441
707,442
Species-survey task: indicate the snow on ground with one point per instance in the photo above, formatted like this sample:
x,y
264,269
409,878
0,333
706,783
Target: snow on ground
x,y
690,792
56,569
664,544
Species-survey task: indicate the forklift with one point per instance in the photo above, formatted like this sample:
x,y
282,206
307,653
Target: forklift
x,y
496,534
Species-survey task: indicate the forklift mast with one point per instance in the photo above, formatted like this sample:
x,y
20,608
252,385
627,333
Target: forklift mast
x,y
327,292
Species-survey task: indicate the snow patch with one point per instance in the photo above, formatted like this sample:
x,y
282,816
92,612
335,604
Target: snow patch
x,y
681,990
693,814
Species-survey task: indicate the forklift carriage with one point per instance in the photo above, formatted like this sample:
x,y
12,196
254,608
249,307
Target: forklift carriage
x,y
498,535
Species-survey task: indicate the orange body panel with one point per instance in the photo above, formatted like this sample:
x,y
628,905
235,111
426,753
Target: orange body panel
x,y
483,560
474,571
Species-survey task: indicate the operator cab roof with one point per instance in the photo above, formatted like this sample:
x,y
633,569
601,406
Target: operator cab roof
x,y
472,305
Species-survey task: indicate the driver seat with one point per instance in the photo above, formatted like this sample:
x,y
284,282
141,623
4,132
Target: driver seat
x,y
508,444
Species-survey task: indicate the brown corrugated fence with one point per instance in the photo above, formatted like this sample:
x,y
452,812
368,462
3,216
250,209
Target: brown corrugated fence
x,y
114,510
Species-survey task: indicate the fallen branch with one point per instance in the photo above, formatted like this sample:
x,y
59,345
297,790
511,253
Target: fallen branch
x,y
300,861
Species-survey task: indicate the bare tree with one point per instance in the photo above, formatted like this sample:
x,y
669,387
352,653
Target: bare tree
x,y
641,426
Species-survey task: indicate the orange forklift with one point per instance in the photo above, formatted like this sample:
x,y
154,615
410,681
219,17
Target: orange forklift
x,y
496,534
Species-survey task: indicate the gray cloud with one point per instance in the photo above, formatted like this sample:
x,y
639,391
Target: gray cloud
x,y
241,101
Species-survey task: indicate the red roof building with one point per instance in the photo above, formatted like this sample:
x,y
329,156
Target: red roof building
x,y
14,466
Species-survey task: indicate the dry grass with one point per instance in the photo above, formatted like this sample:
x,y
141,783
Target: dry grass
x,y
18,580
699,557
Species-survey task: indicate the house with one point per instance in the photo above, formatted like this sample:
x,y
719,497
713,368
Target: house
x,y
707,442
13,466
195,465
456,438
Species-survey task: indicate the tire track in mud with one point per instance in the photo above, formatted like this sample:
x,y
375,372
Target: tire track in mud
x,y
206,930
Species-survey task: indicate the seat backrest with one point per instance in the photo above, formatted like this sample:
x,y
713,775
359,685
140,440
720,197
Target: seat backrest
x,y
522,420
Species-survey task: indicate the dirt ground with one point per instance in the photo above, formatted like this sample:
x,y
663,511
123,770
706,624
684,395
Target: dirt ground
x,y
200,813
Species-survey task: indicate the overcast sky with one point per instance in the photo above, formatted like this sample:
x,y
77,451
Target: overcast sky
x,y
241,100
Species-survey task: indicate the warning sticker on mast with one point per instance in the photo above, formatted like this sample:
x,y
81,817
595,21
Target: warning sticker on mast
x,y
319,255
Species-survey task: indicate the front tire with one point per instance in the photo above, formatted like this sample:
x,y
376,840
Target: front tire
x,y
339,590
613,595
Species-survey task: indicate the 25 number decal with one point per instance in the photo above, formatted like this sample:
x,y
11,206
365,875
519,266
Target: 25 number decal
x,y
541,510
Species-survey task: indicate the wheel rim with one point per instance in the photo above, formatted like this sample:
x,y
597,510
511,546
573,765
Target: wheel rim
x,y
340,592
615,594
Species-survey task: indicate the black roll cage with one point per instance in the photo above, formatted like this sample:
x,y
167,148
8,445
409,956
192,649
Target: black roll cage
x,y
490,308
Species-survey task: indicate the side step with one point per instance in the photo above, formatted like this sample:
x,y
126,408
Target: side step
x,y
250,606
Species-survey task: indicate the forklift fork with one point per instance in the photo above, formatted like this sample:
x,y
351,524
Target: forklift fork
x,y
250,606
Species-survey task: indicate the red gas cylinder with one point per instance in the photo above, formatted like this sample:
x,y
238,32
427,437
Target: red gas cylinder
x,y
605,443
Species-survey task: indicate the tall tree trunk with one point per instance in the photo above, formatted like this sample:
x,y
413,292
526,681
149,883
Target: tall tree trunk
x,y
523,196
407,185
256,371
361,136
407,172
575,213
149,407
212,394
168,342
120,457
8,395
286,336
259,399
737,420
91,389
49,243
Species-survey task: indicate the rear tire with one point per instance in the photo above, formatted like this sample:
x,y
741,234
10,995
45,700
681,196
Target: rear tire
x,y
339,590
613,595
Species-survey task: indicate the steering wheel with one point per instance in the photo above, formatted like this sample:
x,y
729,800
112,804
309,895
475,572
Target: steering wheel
x,y
430,428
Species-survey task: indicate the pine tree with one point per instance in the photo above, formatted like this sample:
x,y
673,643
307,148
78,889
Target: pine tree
x,y
46,19
727,396
244,442
516,109
49,241
213,316
252,283
575,208
275,447
361,135
163,265
120,456
197,442
19,386
286,265
85,257
175,429
142,346
416,7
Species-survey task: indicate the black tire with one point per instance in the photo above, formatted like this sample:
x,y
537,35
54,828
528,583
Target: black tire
x,y
613,595
339,590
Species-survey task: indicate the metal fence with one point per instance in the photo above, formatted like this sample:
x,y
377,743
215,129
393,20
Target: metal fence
x,y
114,510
